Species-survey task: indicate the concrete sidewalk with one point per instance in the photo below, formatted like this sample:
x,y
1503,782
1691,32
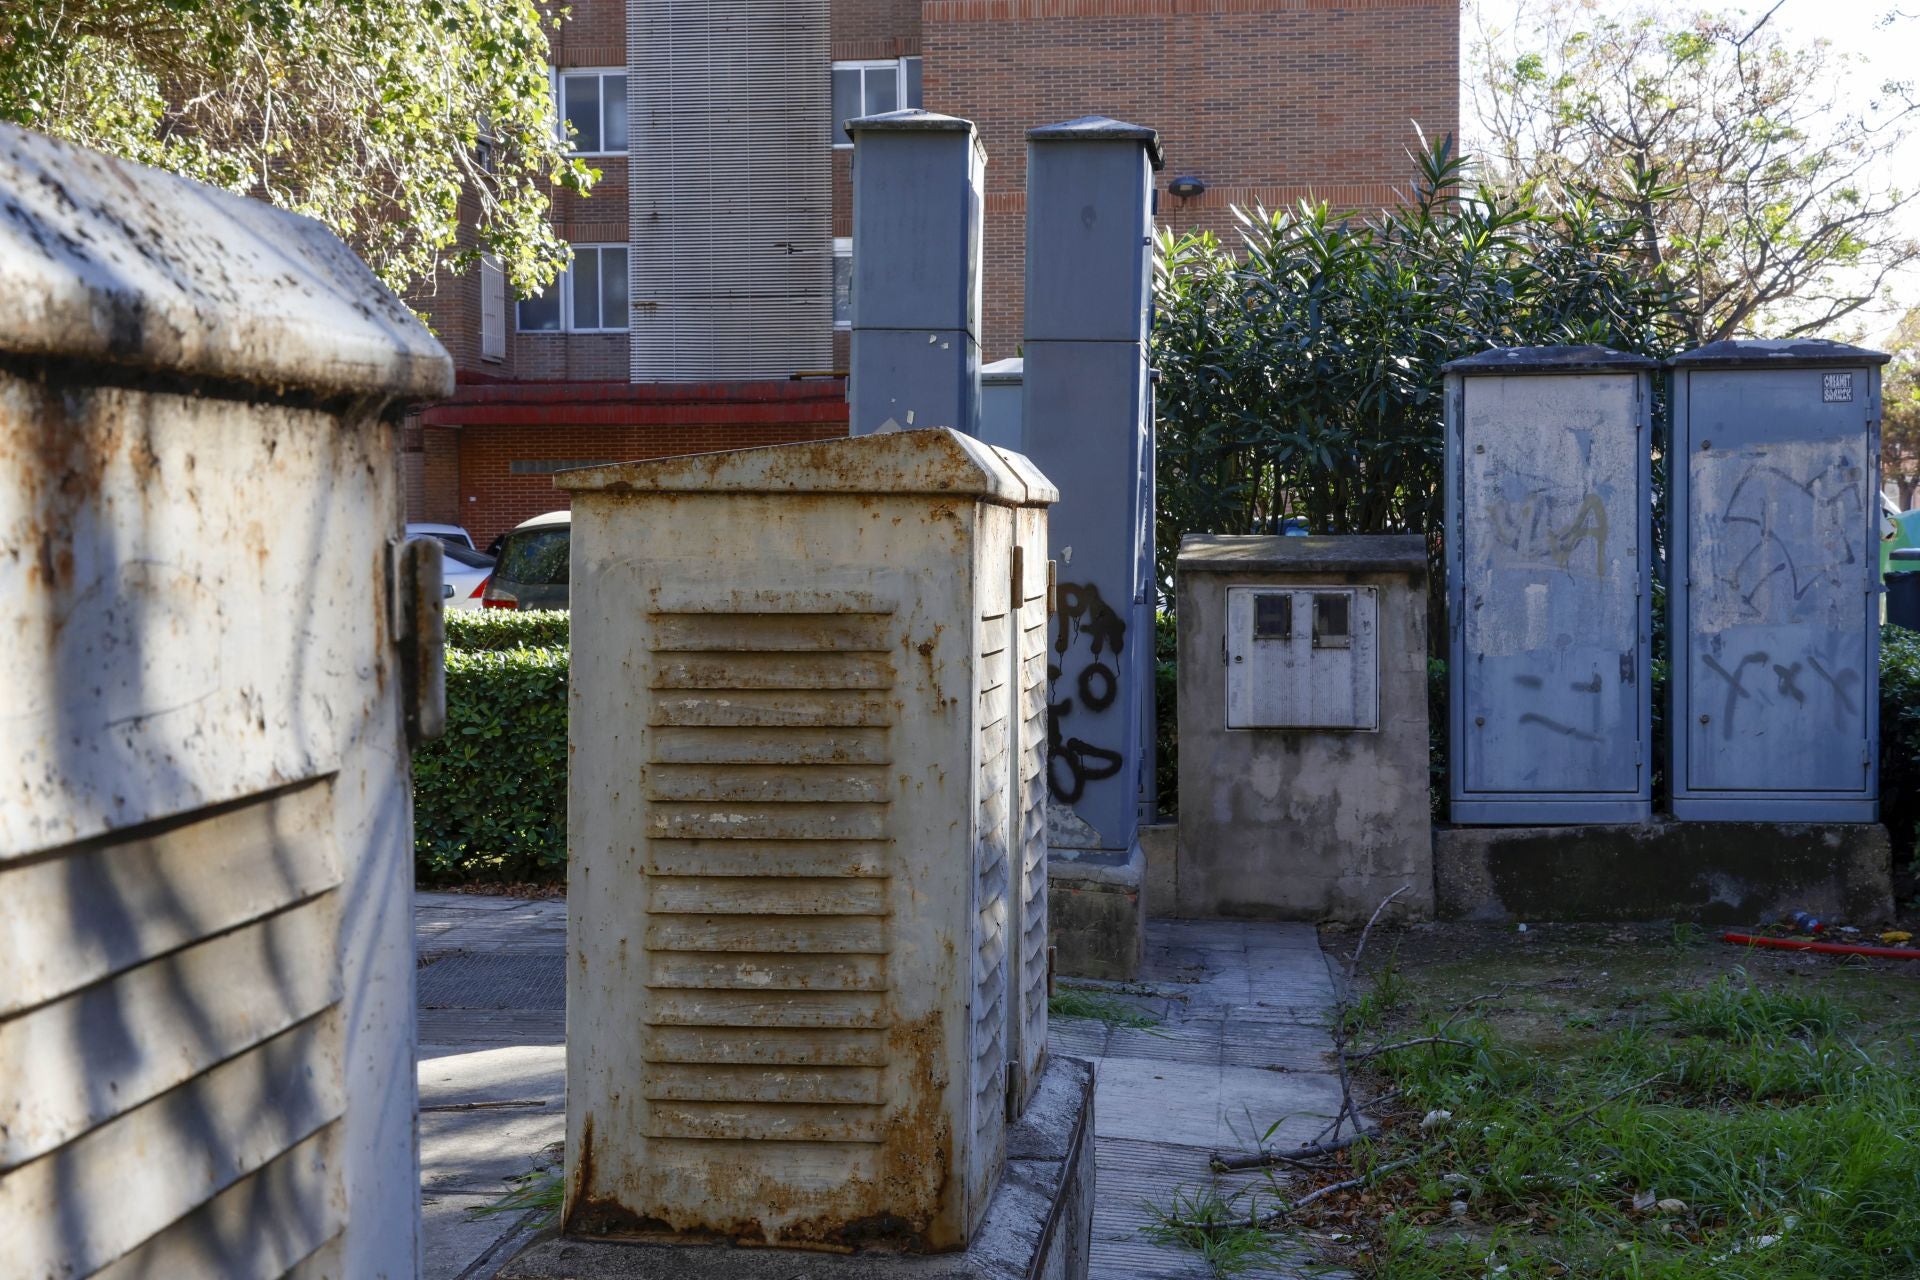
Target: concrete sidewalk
x,y
1239,1044
492,1071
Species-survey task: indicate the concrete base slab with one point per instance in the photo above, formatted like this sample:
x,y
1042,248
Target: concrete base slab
x,y
1096,912
1707,872
1038,1226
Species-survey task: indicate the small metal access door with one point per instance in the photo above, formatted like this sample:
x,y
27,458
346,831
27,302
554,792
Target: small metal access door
x,y
1549,522
1773,606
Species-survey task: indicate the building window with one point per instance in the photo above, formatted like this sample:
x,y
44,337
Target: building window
x,y
869,88
590,296
595,104
843,282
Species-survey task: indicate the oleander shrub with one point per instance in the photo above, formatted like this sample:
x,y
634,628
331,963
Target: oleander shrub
x,y
1900,741
490,797
477,629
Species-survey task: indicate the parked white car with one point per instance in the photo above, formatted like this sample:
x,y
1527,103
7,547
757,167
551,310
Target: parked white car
x,y
465,571
451,534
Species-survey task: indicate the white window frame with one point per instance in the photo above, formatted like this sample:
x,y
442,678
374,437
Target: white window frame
x,y
843,248
864,65
558,77
563,283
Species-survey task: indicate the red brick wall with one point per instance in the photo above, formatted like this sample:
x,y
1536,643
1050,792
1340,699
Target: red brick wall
x,y
493,499
440,476
875,29
1264,100
595,35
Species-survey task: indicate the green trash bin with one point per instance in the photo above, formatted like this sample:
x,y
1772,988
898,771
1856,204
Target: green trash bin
x,y
1903,589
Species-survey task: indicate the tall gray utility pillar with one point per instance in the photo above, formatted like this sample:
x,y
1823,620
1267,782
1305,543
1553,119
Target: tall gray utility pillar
x,y
917,179
1773,594
1088,422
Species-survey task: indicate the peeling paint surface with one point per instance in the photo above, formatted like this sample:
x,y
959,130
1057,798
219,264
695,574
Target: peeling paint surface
x,y
1781,575
206,990
792,837
1548,591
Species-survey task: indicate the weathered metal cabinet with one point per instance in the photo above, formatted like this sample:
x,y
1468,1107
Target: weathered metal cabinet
x,y
1549,590
806,933
1773,600
918,180
1088,413
206,850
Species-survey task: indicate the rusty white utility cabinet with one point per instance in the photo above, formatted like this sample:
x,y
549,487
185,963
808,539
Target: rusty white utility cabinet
x,y
807,867
1303,727
213,641
1549,589
1773,602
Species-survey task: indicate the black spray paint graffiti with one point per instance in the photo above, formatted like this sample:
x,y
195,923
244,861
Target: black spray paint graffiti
x,y
1766,500
1840,686
1073,762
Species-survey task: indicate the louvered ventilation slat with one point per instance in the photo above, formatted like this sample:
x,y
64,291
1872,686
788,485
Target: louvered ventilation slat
x,y
732,211
768,910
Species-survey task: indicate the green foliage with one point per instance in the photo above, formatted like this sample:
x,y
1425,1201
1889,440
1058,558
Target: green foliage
x,y
481,629
1900,739
490,797
1302,377
1070,1002
391,121
1733,1008
1740,1131
1438,703
1216,1227
1166,712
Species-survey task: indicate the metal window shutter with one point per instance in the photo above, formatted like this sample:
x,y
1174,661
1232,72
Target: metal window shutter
x,y
731,193
493,310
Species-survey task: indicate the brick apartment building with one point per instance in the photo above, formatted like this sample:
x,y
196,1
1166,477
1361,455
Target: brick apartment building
x,y
709,261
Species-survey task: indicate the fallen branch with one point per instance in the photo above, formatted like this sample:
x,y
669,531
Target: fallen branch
x,y
1364,1179
1301,1156
1410,1044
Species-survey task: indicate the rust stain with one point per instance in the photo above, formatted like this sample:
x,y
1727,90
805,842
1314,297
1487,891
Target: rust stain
x,y
912,1206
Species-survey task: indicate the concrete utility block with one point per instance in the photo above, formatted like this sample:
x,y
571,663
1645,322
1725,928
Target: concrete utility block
x,y
1303,727
1097,912
1709,872
1038,1225
1161,845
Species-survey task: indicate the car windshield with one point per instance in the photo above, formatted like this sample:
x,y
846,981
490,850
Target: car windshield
x,y
536,557
467,556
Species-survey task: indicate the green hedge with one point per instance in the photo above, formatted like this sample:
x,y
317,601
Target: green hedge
x,y
490,797
481,629
1900,741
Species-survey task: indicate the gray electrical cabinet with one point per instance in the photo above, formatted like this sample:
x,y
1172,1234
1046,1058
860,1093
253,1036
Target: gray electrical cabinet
x,y
1772,600
1549,537
1303,658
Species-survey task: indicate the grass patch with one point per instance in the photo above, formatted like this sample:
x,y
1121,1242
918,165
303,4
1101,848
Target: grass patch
x,y
1070,1003
1217,1229
539,1189
1647,1112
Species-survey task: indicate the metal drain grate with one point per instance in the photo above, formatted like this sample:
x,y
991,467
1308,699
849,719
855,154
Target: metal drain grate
x,y
495,982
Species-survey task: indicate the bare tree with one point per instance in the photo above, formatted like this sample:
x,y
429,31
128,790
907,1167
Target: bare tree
x,y
1766,197
1900,412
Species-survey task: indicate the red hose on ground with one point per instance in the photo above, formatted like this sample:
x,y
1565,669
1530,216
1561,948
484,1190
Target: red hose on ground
x,y
1824,948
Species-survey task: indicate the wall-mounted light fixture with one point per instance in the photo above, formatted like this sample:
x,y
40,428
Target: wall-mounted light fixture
x,y
1187,187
